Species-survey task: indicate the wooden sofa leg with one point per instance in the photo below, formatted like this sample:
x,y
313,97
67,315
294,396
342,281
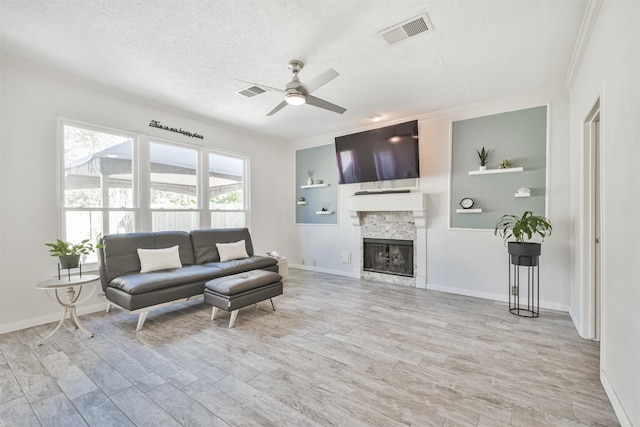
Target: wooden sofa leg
x,y
214,311
141,319
108,306
232,321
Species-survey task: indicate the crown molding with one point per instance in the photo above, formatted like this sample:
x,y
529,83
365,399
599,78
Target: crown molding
x,y
588,23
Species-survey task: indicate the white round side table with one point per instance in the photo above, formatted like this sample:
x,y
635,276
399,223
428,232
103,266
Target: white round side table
x,y
70,283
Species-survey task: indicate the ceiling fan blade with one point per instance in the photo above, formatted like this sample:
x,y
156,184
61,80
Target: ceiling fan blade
x,y
320,81
278,108
274,89
321,103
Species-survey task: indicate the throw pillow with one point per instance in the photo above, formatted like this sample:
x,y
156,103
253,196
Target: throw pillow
x,y
231,251
159,259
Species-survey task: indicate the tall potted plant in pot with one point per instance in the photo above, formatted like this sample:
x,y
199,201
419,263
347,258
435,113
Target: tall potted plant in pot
x,y
521,229
69,253
483,156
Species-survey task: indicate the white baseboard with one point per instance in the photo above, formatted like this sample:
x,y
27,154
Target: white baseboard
x,y
325,270
492,296
576,323
623,418
43,320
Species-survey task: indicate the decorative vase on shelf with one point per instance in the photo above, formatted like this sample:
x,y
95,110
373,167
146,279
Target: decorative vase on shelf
x,y
482,168
309,181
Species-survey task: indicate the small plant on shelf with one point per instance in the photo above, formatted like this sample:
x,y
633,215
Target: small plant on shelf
x,y
483,156
505,163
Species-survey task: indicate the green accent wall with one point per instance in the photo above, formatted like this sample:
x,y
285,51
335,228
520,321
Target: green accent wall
x,y
518,135
322,161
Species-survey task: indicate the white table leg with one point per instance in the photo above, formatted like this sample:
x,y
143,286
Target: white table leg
x,y
74,319
64,316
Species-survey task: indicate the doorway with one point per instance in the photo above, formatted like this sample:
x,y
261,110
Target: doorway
x,y
593,222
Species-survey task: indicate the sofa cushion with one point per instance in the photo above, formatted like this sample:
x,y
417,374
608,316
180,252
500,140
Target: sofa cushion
x,y
159,259
242,282
246,264
231,251
139,283
120,251
204,242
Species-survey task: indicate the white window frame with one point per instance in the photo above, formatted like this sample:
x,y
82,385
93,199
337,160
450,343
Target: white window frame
x,y
245,187
141,179
60,189
145,181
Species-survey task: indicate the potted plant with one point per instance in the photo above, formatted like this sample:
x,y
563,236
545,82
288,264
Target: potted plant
x,y
483,155
522,229
505,163
69,253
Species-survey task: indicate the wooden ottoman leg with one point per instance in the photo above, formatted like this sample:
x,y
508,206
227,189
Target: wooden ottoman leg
x,y
232,321
214,311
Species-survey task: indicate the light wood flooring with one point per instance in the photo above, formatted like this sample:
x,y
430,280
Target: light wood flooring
x,y
337,352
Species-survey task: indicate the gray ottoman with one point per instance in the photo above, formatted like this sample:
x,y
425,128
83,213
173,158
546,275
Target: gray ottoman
x,y
231,293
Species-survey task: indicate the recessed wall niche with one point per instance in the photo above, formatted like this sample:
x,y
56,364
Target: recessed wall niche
x,y
521,137
319,164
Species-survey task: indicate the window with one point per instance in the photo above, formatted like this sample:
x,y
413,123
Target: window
x,y
107,188
173,187
98,195
226,191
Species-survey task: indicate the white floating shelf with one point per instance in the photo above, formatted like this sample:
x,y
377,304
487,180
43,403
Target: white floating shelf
x,y
324,212
469,211
314,185
523,195
490,171
302,203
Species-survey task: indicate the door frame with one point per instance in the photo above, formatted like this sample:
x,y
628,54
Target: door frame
x,y
591,315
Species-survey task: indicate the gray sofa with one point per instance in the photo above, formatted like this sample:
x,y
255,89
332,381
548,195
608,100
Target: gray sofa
x,y
127,288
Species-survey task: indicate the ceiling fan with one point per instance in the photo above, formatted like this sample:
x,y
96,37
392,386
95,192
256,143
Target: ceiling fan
x,y
297,93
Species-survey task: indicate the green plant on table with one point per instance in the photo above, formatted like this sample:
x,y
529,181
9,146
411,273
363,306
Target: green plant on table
x,y
62,248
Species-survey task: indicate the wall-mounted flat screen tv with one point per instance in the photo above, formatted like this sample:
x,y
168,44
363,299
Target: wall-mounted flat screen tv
x,y
379,154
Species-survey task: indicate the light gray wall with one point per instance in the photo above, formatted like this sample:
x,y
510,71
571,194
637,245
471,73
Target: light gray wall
x,y
520,136
611,70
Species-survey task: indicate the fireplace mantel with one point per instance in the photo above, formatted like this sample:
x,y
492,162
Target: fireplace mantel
x,y
415,202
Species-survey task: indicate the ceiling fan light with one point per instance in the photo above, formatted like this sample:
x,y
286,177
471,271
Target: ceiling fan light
x,y
295,98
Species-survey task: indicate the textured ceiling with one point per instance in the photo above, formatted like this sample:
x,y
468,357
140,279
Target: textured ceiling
x,y
186,53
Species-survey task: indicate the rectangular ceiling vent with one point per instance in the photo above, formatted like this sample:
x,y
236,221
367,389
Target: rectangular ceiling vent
x,y
251,91
404,30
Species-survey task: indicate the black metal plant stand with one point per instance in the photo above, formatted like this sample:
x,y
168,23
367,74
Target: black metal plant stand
x,y
532,307
60,269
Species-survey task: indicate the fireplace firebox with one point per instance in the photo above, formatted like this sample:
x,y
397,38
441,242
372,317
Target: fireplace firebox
x,y
388,256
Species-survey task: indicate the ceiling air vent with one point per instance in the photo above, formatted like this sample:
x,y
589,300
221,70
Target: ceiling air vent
x,y
251,91
404,30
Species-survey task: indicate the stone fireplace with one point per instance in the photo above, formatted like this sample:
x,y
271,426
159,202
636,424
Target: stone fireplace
x,y
391,216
